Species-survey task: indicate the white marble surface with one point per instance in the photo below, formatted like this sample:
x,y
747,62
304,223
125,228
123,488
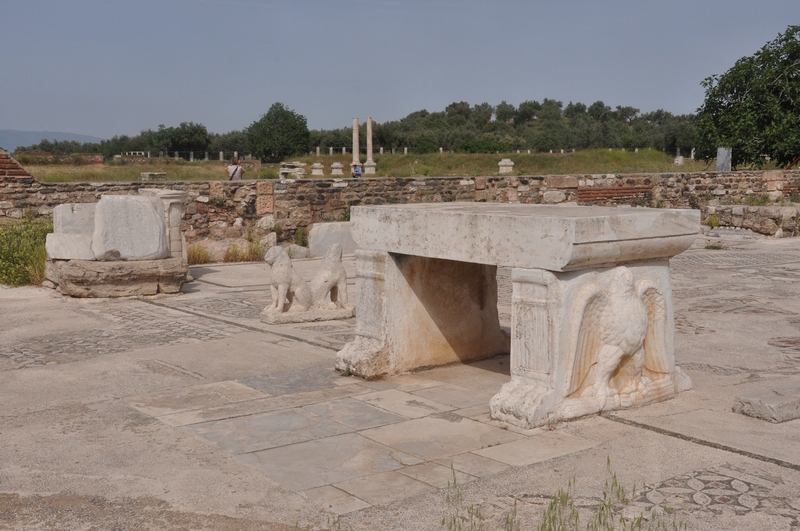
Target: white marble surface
x,y
554,238
130,228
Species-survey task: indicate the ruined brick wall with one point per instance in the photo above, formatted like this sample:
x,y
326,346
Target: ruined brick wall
x,y
229,209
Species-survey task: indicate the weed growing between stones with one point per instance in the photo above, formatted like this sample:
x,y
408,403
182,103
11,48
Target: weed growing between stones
x,y
562,513
197,254
300,237
22,251
716,246
712,221
254,252
757,200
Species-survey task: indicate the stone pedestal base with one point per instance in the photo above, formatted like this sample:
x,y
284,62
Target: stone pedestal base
x,y
308,316
369,168
589,341
85,278
436,312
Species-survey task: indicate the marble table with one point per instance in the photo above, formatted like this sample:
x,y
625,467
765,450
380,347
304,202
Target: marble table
x,y
592,319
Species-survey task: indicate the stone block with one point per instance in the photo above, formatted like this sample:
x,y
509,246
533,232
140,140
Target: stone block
x,y
264,187
506,166
130,228
74,218
216,190
68,246
323,235
317,169
561,181
554,196
84,278
266,223
772,176
555,238
780,404
265,204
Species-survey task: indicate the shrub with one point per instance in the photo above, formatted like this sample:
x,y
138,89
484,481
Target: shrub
x,y
197,254
233,254
712,221
254,252
757,200
301,238
22,251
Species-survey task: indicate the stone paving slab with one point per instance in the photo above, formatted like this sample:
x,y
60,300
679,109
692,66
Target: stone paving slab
x,y
778,404
252,433
265,405
195,397
384,487
405,404
326,461
537,448
439,436
354,413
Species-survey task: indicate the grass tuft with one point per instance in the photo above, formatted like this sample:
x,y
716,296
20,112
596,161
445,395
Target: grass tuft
x,y
197,254
22,251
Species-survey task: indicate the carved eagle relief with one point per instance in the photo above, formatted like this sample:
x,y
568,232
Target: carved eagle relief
x,y
617,340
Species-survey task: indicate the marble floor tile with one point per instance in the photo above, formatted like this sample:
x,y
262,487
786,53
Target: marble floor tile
x,y
456,396
354,413
325,461
268,430
194,397
474,465
334,500
439,436
439,476
406,404
299,381
536,448
384,487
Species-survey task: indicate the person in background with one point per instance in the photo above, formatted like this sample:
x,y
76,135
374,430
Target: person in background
x,y
235,172
357,171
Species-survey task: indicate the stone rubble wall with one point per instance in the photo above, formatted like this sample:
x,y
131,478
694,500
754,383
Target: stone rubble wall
x,y
777,221
219,209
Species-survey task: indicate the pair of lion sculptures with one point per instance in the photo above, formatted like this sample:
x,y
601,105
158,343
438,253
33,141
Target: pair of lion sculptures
x,y
290,293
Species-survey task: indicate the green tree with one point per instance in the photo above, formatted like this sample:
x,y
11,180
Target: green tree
x,y
504,112
228,142
754,108
527,111
458,108
188,136
482,114
278,134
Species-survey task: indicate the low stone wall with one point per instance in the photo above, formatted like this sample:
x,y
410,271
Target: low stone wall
x,y
777,221
220,209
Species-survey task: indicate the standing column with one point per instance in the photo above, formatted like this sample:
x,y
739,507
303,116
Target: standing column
x,y
369,166
356,154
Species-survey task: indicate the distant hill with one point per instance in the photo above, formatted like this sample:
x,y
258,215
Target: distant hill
x,y
11,139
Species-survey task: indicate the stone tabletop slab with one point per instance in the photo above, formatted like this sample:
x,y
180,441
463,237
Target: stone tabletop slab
x,y
555,238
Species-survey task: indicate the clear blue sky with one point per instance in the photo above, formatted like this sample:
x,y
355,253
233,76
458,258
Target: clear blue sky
x,y
106,67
